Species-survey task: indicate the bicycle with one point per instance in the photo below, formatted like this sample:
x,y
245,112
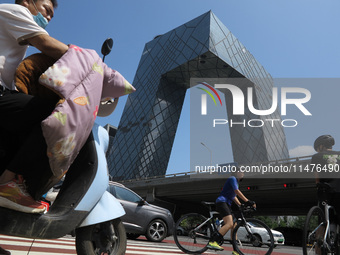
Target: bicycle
x,y
320,235
193,232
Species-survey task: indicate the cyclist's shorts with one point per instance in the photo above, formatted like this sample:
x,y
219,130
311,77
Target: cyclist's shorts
x,y
223,209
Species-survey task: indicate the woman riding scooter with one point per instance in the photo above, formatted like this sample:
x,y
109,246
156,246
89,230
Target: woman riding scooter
x,y
82,203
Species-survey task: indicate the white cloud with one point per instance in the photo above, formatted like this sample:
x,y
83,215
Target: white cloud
x,y
301,151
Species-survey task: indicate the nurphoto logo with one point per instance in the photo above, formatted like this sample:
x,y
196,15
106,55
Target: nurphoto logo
x,y
204,97
240,101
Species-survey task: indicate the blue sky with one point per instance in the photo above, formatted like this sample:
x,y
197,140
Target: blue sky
x,y
290,38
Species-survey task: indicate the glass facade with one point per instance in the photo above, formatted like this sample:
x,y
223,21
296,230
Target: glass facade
x,y
201,48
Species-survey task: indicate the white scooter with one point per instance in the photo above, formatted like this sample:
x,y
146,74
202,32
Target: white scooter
x,y
82,206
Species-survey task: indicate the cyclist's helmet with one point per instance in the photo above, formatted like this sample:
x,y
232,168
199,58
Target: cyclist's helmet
x,y
325,140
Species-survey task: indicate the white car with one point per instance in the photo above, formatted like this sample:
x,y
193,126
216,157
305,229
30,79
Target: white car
x,y
279,239
260,232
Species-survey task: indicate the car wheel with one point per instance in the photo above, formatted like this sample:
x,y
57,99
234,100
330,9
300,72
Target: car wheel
x,y
257,242
156,231
132,236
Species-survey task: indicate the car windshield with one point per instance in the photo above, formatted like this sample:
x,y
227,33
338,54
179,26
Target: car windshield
x,y
254,225
127,195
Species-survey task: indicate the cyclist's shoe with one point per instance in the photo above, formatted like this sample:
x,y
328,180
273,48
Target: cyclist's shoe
x,y
235,253
13,195
214,246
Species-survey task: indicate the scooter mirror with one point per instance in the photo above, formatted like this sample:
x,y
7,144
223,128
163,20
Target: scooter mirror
x,y
107,47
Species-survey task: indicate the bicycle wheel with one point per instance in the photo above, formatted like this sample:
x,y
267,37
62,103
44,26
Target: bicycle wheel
x,y
252,237
192,233
314,231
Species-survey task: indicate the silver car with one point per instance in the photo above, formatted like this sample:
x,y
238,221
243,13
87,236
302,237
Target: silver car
x,y
260,233
142,218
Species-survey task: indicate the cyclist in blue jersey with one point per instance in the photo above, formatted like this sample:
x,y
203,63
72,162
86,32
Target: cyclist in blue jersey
x,y
230,193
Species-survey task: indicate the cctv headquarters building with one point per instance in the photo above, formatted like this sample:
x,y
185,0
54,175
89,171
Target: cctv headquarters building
x,y
201,48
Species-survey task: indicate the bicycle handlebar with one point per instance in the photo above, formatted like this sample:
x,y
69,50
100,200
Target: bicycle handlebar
x,y
247,208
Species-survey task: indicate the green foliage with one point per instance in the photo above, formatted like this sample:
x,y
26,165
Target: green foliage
x,y
299,222
270,222
284,221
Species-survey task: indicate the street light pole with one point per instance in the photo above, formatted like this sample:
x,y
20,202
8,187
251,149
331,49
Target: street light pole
x,y
210,153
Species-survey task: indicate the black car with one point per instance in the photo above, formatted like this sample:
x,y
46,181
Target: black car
x,y
142,218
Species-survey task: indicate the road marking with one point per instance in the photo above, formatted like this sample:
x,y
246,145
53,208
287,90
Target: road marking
x,y
66,246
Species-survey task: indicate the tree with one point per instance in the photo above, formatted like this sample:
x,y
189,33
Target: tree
x,y
269,221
